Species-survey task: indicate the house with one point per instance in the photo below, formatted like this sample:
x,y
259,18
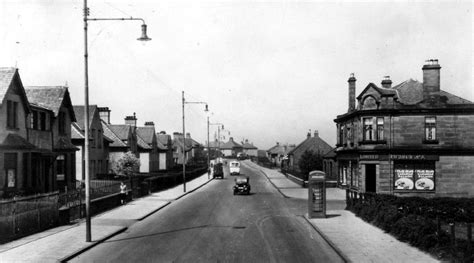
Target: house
x,y
192,148
249,149
18,171
330,165
278,153
123,136
165,150
315,144
54,129
410,139
148,148
98,143
231,148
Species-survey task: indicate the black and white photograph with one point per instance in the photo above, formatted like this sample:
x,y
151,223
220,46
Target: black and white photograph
x,y
236,131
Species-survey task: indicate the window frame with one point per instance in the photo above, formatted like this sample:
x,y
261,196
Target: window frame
x,y
370,129
430,127
12,114
379,128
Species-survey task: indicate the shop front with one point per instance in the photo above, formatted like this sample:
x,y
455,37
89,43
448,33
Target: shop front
x,y
414,173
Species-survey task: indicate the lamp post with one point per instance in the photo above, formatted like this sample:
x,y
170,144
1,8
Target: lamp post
x,y
218,136
184,136
143,37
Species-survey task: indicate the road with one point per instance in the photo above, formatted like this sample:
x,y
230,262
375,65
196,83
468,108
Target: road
x,y
213,225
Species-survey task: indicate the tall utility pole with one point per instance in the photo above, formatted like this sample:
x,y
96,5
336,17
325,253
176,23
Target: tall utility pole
x,y
208,152
143,37
184,136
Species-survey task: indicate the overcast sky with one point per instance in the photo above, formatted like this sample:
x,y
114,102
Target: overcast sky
x,y
270,71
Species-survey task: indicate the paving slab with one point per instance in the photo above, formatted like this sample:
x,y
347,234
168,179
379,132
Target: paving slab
x,y
136,210
284,183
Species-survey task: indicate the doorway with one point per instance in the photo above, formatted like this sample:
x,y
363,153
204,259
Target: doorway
x,y
370,178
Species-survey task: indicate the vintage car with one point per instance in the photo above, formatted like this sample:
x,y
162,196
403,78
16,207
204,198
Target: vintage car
x,y
218,170
234,167
242,185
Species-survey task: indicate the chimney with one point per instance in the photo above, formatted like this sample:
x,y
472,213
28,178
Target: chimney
x,y
131,120
188,135
352,92
278,144
149,124
231,139
316,133
308,135
386,82
431,81
104,114
162,132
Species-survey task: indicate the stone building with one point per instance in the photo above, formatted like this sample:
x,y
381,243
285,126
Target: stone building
x,y
410,139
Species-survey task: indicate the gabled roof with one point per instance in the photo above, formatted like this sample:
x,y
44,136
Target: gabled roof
x,y
231,144
330,154
76,132
146,133
121,130
116,140
281,149
315,144
51,97
80,116
141,143
247,145
162,140
381,91
7,77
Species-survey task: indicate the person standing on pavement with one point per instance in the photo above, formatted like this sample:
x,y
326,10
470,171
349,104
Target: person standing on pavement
x,y
123,192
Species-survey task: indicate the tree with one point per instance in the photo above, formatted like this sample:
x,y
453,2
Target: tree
x,y
127,164
310,161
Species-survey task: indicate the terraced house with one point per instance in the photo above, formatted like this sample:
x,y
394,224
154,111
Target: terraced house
x,y
410,139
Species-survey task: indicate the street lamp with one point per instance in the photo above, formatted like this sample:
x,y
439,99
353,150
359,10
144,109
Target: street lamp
x,y
184,136
143,37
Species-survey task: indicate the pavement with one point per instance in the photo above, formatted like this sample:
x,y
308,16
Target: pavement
x,y
65,242
354,239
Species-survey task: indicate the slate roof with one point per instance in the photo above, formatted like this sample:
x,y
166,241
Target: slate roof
x,y
281,149
121,130
410,92
50,97
79,111
146,133
76,132
116,140
330,154
315,144
247,145
7,75
162,141
141,143
231,144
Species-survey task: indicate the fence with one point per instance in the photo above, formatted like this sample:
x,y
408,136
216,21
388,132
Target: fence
x,y
22,216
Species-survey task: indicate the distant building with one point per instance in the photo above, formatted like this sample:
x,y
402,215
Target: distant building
x,y
188,145
279,153
231,148
98,143
330,165
165,150
410,139
249,149
148,148
315,144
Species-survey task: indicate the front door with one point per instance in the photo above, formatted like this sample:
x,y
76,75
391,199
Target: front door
x,y
370,178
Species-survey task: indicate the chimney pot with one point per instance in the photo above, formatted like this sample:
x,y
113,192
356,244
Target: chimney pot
x,y
316,133
387,82
150,123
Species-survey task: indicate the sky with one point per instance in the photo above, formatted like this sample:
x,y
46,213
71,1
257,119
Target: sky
x,y
270,71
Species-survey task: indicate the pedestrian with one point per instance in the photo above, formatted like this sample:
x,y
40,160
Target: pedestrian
x,y
123,193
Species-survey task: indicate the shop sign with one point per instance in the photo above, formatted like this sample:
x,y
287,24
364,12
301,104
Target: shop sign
x,y
376,157
404,179
414,157
425,180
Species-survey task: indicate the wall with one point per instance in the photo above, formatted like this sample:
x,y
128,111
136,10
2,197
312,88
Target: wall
x,y
454,176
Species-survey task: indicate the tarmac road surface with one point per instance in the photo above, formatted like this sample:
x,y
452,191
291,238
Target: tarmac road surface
x,y
213,225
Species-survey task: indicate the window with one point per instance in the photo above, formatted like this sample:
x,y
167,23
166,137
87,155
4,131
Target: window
x,y
368,130
62,122
380,129
34,120
341,134
11,168
414,176
42,121
61,167
430,128
12,111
